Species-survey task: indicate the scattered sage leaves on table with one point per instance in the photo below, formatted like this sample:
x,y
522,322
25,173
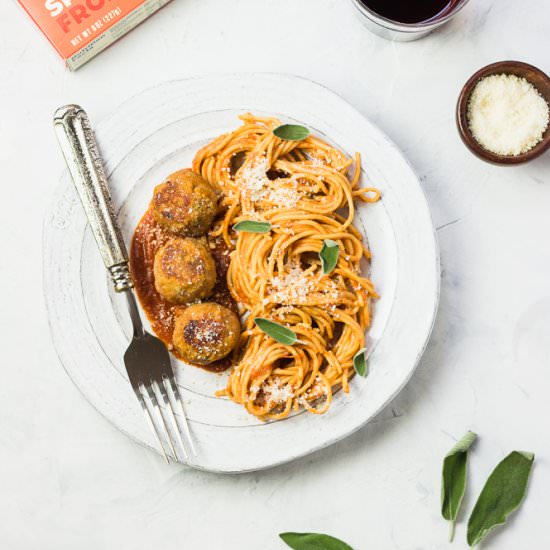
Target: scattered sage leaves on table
x,y
291,132
453,482
360,363
252,226
503,492
329,255
278,332
313,541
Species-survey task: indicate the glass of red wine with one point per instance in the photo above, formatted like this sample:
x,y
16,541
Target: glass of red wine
x,y
406,19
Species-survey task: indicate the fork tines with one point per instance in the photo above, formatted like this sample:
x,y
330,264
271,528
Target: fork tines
x,y
164,412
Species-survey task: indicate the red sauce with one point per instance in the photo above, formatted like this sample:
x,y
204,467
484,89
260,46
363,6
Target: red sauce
x,y
148,238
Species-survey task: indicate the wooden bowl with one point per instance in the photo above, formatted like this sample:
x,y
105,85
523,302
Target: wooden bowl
x,y
540,81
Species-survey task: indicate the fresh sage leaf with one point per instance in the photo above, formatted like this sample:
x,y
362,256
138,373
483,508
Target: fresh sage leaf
x,y
313,541
503,492
360,363
278,332
252,226
329,255
291,132
453,482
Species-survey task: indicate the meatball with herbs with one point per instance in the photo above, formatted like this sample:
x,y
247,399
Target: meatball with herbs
x,y
184,270
185,204
204,333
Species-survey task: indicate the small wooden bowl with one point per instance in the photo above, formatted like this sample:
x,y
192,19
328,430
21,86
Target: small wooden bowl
x,y
540,81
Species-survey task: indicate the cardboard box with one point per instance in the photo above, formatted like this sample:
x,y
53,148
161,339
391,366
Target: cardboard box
x,y
80,29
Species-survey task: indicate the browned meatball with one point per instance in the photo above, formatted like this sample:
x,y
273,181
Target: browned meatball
x,y
185,204
206,332
184,270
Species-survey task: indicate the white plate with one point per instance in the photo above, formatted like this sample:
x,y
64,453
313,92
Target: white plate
x,y
159,131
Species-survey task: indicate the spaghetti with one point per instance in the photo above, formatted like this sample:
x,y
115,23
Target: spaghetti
x,y
301,188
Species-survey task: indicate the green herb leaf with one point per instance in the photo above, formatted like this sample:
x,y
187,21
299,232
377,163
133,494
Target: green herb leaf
x,y
313,541
278,332
291,132
453,482
252,226
503,492
360,363
329,255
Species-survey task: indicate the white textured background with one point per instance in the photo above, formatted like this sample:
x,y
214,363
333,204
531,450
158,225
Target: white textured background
x,y
68,480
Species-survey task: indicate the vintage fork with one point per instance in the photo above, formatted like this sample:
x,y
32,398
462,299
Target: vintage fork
x,y
147,360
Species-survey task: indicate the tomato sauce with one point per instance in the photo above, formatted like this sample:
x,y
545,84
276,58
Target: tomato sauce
x,y
147,239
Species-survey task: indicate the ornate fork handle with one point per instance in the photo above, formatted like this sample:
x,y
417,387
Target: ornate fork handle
x,y
81,153
147,359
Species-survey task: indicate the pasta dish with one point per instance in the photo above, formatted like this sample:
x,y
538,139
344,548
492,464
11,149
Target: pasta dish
x,y
251,261
298,187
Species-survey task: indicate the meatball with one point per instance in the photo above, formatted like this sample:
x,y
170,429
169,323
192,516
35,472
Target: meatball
x,y
206,332
185,204
184,270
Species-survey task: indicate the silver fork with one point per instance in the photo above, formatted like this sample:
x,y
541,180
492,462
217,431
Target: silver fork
x,y
147,360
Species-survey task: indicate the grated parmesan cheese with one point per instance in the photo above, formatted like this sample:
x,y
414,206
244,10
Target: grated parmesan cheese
x,y
294,286
507,115
253,179
254,182
285,197
277,393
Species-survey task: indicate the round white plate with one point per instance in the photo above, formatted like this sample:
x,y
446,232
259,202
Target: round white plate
x,y
158,132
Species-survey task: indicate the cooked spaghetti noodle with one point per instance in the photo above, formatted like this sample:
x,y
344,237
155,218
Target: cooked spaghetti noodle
x,y
301,188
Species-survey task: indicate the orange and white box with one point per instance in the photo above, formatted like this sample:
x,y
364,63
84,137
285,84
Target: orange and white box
x,y
80,29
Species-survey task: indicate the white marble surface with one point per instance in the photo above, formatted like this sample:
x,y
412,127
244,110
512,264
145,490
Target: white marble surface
x,y
69,480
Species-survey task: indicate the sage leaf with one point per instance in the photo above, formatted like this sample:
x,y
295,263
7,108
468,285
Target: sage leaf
x,y
313,541
252,226
503,492
453,479
278,332
360,363
291,132
329,255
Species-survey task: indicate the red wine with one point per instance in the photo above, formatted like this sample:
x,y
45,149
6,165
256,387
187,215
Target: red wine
x,y
410,11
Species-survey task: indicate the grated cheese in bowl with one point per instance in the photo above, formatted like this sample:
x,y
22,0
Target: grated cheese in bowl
x,y
507,115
